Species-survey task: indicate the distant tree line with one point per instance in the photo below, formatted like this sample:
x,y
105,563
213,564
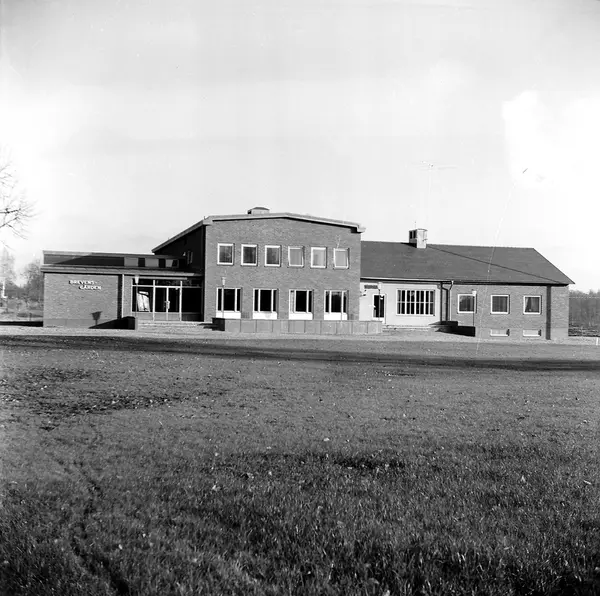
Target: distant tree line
x,y
28,287
584,311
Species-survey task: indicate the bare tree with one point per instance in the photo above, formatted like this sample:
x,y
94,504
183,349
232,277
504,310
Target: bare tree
x,y
15,209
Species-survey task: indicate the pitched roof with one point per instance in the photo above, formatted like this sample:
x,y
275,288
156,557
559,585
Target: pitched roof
x,y
440,262
207,221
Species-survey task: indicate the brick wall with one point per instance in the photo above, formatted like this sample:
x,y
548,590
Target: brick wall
x,y
281,232
66,304
558,298
552,322
194,242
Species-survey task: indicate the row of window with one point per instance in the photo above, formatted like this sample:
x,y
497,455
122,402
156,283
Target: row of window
x,y
273,256
525,332
500,304
266,301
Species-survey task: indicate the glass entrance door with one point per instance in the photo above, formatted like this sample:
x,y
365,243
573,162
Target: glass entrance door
x,y
167,301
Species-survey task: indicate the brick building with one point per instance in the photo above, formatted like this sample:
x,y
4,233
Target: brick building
x,y
291,273
259,271
483,291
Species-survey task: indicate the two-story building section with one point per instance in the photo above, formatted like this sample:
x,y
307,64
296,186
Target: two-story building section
x,y
263,266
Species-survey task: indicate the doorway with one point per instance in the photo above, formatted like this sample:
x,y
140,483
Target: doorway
x,y
378,306
167,303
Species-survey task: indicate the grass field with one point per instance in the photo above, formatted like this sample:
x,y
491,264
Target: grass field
x,y
214,465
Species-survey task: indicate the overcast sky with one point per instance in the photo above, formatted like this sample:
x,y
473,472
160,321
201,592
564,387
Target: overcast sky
x,y
130,120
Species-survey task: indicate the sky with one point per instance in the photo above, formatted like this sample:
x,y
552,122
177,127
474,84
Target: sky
x,y
130,120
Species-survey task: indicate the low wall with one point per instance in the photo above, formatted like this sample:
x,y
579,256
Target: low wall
x,y
123,323
286,326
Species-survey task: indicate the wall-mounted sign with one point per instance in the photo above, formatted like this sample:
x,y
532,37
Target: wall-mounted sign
x,y
371,287
85,284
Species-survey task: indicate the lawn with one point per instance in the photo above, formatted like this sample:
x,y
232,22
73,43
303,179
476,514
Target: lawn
x,y
134,464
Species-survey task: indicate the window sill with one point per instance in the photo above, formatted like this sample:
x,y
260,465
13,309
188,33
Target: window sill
x,y
265,316
301,316
335,316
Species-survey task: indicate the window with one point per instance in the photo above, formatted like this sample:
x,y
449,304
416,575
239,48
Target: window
x,y
416,302
499,332
249,254
189,257
532,305
296,256
301,301
273,256
225,254
466,303
229,299
318,257
265,301
340,258
499,305
172,296
532,333
336,302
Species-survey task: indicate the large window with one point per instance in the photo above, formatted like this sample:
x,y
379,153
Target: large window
x,y
265,301
229,300
500,305
301,301
296,256
466,303
170,296
272,256
336,302
249,254
340,258
416,302
225,254
318,257
532,305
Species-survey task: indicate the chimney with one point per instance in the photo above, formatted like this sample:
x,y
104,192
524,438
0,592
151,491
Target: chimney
x,y
418,238
258,210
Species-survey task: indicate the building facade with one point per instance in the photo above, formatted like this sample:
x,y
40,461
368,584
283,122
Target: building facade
x,y
291,273
495,292
259,271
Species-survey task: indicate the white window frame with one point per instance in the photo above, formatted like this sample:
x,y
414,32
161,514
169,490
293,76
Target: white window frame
x,y
306,315
264,314
499,332
500,312
272,246
330,315
255,263
313,250
189,257
236,313
222,244
423,304
344,251
473,297
532,312
301,249
532,333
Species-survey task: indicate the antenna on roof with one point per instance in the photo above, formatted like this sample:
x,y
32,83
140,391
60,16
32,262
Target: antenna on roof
x,y
430,167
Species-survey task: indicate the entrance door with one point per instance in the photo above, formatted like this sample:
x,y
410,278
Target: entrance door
x,y
168,304
378,306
